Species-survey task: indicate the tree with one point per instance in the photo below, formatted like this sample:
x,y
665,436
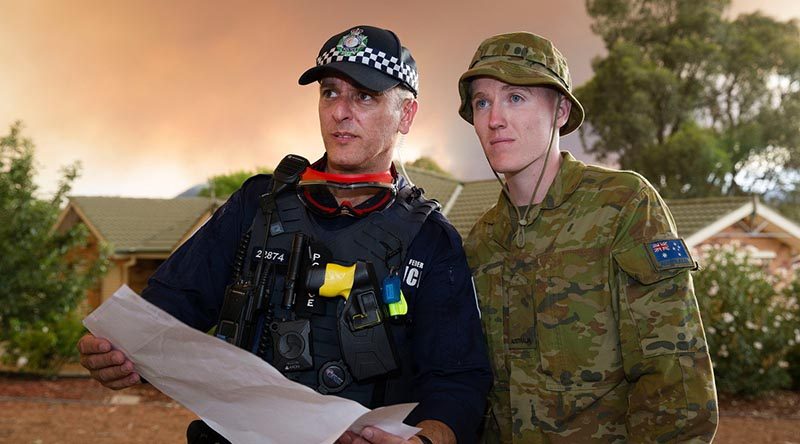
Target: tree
x,y
787,202
699,104
426,163
44,276
223,185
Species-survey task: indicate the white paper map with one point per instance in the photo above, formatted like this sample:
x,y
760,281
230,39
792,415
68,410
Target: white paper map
x,y
233,391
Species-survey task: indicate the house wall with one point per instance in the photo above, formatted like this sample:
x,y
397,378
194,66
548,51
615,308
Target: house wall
x,y
783,252
141,272
128,269
92,251
89,253
69,220
96,295
132,269
112,280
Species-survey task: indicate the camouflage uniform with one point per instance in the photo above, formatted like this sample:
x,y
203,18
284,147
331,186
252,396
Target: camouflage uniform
x,y
589,340
592,337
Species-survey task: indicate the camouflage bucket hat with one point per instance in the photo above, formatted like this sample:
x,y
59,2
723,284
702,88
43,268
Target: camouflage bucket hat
x,y
525,59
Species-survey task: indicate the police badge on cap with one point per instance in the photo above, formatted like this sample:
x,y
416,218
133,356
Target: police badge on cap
x,y
372,57
353,42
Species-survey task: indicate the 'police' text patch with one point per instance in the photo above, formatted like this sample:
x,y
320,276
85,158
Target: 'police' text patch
x,y
669,253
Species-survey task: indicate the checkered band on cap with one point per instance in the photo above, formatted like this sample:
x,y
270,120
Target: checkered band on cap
x,y
377,59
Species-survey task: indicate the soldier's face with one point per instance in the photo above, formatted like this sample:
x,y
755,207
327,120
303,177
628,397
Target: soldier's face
x,y
359,127
514,123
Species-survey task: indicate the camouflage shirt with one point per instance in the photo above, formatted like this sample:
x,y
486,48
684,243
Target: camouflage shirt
x,y
591,338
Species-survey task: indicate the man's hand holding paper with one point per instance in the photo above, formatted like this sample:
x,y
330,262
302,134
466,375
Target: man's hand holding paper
x,y
236,393
108,366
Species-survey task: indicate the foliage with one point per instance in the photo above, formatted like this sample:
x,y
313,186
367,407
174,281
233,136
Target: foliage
x,y
44,347
787,203
752,319
793,355
45,272
426,163
223,185
698,103
696,156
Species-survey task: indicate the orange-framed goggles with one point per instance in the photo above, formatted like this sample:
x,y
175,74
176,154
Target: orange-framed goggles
x,y
355,195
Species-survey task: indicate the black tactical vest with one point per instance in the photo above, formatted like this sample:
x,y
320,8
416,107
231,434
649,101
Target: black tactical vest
x,y
380,238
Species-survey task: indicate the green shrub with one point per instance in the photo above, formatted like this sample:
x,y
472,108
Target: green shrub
x,y
46,272
43,348
792,290
751,317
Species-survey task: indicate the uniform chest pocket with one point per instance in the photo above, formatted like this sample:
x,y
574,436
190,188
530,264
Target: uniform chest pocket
x,y
518,288
575,325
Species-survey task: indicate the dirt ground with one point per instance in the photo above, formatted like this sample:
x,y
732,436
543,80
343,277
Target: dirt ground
x,y
79,410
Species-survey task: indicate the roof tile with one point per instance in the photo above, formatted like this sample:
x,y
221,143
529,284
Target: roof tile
x,y
138,224
692,215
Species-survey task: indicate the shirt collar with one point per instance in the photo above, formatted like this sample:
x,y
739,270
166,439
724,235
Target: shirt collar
x,y
321,164
327,197
565,183
569,177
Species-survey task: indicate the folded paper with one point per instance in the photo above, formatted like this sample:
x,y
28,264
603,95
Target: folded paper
x,y
236,393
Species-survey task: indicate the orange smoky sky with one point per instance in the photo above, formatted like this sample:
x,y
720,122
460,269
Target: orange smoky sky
x,y
153,97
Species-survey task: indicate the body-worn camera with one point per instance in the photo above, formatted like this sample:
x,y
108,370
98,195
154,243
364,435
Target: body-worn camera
x,y
291,345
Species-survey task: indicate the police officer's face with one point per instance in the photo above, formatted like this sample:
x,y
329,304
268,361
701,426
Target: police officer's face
x,y
359,127
514,123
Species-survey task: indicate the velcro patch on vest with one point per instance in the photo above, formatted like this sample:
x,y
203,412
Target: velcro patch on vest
x,y
273,255
668,254
413,272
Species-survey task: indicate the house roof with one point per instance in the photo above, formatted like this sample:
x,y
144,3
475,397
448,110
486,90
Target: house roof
x,y
692,215
436,186
130,225
701,219
696,219
140,225
462,202
474,200
465,202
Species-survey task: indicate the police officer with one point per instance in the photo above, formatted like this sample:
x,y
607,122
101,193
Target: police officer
x,y
588,306
349,207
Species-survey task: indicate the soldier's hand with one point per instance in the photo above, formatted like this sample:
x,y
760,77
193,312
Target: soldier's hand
x,y
109,367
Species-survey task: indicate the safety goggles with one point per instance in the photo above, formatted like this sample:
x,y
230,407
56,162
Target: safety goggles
x,y
355,195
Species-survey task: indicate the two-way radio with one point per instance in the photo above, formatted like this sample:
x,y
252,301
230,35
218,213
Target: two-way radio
x,y
249,293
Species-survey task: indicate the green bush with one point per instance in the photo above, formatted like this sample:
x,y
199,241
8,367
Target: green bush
x,y
793,356
43,348
751,317
45,272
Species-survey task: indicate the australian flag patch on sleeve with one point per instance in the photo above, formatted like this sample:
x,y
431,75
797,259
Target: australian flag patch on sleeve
x,y
669,253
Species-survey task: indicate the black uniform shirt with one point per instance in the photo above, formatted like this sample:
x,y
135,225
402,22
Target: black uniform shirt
x,y
451,369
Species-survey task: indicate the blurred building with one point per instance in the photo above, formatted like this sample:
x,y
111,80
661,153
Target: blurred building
x,y
141,234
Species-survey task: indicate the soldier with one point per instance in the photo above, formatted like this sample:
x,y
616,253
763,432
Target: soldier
x,y
588,305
